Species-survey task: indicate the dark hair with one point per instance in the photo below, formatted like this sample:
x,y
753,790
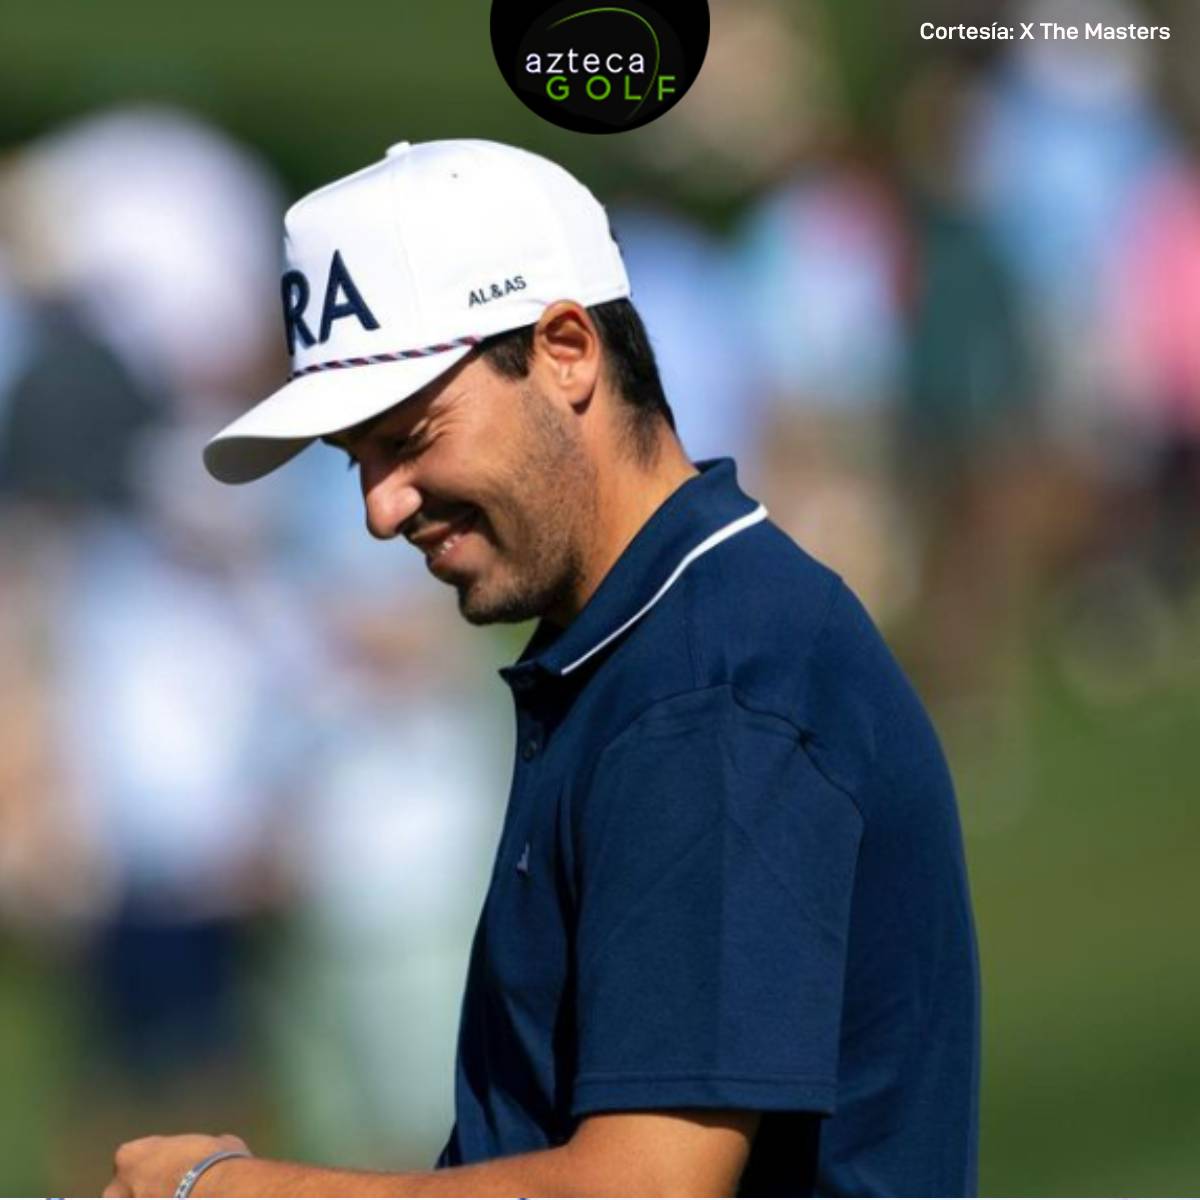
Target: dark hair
x,y
630,358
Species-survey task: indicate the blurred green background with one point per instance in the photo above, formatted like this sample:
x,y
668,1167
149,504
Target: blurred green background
x,y
1060,656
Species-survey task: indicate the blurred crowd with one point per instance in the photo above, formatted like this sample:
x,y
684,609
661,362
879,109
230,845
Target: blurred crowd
x,y
251,762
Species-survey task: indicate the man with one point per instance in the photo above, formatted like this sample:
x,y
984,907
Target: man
x,y
728,941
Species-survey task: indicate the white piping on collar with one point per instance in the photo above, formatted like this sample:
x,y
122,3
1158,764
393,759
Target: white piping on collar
x,y
713,539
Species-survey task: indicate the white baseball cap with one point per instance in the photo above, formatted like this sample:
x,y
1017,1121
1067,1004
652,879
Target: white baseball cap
x,y
397,271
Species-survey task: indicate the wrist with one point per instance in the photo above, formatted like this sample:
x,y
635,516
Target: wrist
x,y
218,1178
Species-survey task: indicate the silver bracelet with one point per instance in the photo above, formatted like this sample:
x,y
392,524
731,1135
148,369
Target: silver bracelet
x,y
189,1180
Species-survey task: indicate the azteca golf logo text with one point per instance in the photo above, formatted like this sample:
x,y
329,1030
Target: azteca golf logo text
x,y
599,68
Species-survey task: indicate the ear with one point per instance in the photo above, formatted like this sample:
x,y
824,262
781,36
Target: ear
x,y
566,352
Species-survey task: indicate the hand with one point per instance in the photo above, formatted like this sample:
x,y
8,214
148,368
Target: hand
x,y
153,1166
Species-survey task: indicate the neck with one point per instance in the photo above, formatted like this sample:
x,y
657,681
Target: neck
x,y
628,493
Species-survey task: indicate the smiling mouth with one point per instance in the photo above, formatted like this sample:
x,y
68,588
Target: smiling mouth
x,y
458,531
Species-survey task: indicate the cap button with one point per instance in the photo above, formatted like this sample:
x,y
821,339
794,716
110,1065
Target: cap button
x,y
399,148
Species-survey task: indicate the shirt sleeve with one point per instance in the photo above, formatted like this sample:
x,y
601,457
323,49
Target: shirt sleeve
x,y
715,866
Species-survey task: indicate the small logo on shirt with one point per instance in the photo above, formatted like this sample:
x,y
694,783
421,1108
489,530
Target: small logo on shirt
x,y
523,861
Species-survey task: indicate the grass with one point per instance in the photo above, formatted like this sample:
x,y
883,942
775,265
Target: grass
x,y
1086,902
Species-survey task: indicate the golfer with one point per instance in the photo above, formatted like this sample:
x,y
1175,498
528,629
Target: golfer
x,y
728,943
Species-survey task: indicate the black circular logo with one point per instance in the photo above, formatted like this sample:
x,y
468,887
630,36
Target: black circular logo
x,y
600,68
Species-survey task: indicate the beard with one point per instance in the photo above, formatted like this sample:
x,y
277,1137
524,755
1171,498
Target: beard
x,y
551,500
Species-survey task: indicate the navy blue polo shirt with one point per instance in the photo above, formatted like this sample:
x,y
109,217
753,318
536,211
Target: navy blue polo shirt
x,y
730,876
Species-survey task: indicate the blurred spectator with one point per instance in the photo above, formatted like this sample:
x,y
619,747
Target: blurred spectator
x,y
71,415
164,233
1155,313
161,712
1060,140
966,449
822,262
174,720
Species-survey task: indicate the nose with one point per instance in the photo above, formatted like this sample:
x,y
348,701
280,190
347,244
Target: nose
x,y
390,501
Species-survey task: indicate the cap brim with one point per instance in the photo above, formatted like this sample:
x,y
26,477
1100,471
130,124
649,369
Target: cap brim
x,y
312,406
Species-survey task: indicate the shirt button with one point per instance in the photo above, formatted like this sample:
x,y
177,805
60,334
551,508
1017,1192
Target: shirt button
x,y
530,748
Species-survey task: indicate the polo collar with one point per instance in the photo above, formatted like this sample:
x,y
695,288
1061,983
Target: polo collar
x,y
695,519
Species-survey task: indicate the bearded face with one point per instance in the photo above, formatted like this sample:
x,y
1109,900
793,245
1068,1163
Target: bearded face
x,y
491,482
